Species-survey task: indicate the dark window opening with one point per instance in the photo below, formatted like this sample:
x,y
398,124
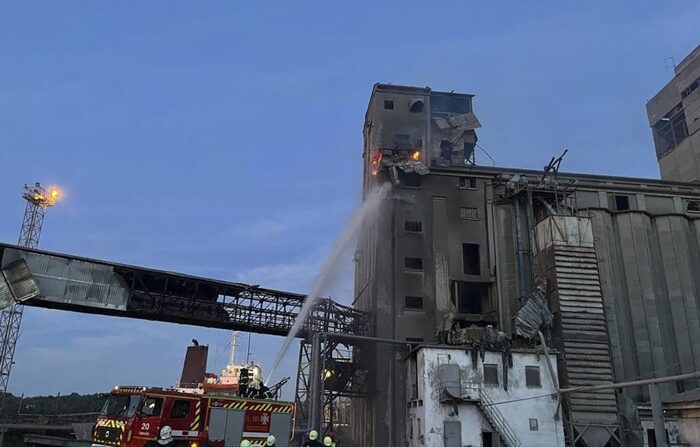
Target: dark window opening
x,y
466,213
486,439
412,180
532,377
651,437
413,302
471,259
151,406
413,263
622,203
388,104
416,106
413,226
469,296
691,88
181,408
670,132
693,205
490,374
467,182
446,149
534,426
450,103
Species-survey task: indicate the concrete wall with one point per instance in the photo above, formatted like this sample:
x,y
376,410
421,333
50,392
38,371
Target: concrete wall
x,y
427,414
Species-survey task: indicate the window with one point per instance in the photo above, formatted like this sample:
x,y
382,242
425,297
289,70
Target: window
x,y
413,263
622,203
450,103
151,406
533,425
490,374
413,226
693,206
416,106
413,302
469,296
670,131
470,259
412,180
388,104
466,213
181,408
467,182
532,377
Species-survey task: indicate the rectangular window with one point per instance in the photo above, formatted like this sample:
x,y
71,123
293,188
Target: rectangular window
x,y
693,206
490,374
470,259
532,377
467,182
413,263
469,296
466,213
622,203
534,426
388,104
180,410
151,406
412,180
413,302
413,226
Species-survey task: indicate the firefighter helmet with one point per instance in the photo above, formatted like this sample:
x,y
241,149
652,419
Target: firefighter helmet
x,y
313,435
245,443
166,435
327,441
270,440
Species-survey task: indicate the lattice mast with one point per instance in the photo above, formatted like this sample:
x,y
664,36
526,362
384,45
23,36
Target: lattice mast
x,y
38,200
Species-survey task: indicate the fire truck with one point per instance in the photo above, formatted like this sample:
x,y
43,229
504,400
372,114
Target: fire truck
x,y
153,417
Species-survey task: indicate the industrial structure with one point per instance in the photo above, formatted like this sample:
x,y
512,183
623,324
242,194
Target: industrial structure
x,y
552,282
674,117
458,245
38,200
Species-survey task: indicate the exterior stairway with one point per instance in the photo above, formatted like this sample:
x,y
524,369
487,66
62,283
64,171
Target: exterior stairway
x,y
497,421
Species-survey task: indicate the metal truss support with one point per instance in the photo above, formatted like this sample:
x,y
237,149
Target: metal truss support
x,y
11,318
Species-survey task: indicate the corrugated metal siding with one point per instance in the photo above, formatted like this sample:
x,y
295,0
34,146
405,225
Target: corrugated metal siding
x,y
650,277
584,338
71,280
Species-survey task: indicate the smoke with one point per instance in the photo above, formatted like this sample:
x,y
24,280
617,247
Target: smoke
x,y
368,210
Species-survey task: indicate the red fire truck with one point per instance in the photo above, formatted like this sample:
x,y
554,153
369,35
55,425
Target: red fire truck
x,y
152,417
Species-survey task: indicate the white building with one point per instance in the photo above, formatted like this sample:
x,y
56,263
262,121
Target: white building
x,y
454,401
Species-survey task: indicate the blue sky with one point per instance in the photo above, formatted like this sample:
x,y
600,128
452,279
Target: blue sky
x,y
224,138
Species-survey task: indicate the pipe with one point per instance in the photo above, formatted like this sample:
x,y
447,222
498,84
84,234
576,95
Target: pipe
x,y
689,376
519,248
657,414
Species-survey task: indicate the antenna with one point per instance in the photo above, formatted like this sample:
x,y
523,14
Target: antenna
x,y
672,60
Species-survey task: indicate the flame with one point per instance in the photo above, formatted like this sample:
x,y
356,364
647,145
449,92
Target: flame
x,y
376,162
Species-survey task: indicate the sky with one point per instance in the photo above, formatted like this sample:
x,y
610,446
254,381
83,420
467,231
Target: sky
x,y
224,138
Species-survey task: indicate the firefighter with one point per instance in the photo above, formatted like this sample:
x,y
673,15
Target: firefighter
x,y
328,441
270,442
313,440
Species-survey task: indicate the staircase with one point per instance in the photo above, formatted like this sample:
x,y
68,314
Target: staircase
x,y
497,421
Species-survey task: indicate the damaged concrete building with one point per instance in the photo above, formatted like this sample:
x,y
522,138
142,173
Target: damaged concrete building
x,y
458,245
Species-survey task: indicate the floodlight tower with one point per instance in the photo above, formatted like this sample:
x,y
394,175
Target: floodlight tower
x,y
38,200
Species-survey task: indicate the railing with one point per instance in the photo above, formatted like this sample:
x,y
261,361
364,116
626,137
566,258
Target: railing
x,y
496,418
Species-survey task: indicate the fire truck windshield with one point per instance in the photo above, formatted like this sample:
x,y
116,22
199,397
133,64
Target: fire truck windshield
x,y
121,405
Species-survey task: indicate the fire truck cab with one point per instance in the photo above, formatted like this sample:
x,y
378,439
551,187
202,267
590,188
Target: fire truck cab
x,y
151,417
